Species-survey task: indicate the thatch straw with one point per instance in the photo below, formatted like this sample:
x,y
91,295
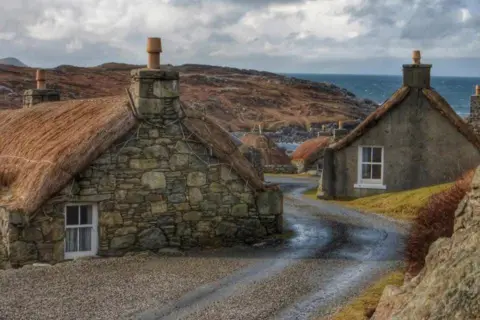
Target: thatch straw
x,y
271,153
43,148
210,133
311,150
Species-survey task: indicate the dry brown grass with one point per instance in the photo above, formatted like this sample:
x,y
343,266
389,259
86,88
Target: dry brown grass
x,y
434,220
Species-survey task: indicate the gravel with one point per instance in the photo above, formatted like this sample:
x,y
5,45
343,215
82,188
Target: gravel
x,y
105,288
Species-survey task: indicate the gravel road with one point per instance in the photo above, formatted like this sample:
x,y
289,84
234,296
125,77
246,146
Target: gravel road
x,y
333,254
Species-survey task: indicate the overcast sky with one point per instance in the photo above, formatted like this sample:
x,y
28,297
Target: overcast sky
x,y
315,36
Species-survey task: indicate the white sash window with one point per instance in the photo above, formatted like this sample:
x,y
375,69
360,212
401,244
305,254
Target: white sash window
x,y
81,237
370,167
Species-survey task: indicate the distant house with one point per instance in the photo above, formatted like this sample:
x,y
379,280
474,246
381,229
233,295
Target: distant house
x,y
274,159
414,139
309,155
136,172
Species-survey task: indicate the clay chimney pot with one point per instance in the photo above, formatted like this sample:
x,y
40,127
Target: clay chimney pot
x,y
340,124
40,78
416,56
477,90
154,47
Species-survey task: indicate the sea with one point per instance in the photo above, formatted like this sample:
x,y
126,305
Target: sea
x,y
456,90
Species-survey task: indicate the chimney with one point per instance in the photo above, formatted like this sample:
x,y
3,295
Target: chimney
x,y
41,94
416,75
155,91
340,132
475,106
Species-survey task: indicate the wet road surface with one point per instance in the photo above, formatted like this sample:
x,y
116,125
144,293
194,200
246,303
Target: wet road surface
x,y
333,254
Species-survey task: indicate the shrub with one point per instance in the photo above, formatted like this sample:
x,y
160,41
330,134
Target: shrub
x,y
435,220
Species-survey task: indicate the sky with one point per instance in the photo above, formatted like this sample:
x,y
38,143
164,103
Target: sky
x,y
292,36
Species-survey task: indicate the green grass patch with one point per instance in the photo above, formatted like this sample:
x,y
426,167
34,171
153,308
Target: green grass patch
x,y
362,306
404,205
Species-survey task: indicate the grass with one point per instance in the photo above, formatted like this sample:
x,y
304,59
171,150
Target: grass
x,y
403,205
361,308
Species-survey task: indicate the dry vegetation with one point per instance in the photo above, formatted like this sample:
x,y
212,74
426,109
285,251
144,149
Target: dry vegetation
x,y
433,221
236,98
362,307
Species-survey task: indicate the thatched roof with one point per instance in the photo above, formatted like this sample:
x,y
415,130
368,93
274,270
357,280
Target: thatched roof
x,y
270,151
311,149
44,147
436,101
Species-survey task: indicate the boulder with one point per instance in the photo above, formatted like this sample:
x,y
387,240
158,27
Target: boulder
x,y
152,239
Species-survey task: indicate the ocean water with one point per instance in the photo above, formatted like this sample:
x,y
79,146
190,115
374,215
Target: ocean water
x,y
455,90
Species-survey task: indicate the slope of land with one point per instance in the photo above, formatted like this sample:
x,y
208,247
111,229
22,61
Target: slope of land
x,y
237,98
12,62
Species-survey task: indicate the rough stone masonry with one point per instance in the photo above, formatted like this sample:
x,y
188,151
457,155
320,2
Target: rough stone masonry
x,y
157,187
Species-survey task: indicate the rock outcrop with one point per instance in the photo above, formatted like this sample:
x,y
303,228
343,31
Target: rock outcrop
x,y
448,287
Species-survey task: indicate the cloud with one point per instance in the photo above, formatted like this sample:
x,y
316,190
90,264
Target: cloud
x,y
253,33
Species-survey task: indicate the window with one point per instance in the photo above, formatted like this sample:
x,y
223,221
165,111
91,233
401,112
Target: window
x,y
370,167
80,230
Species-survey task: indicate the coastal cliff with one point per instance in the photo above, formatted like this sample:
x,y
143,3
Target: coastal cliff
x,y
448,287
237,98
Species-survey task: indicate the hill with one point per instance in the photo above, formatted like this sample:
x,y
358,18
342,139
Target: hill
x,y
12,62
237,98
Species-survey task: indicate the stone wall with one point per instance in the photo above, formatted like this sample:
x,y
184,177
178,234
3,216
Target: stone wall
x,y
254,156
279,168
34,96
157,187
474,117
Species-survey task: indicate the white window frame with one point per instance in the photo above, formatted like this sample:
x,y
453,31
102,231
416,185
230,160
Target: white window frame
x,y
94,236
369,183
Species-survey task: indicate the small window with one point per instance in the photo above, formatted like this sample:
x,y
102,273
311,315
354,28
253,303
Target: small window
x,y
370,167
80,231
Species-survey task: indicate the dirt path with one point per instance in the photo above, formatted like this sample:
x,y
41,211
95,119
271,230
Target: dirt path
x,y
333,255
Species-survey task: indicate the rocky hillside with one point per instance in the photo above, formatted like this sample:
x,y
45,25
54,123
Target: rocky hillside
x,y
237,98
448,287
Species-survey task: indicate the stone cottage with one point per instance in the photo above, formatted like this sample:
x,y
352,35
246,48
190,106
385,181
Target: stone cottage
x,y
309,155
116,174
415,139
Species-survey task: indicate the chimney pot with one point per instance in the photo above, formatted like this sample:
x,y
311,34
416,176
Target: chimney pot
x,y
340,124
416,57
154,47
477,90
40,78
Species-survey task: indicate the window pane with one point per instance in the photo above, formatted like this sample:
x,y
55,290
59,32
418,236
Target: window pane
x,y
72,215
376,171
85,237
85,214
71,240
366,154
377,155
366,171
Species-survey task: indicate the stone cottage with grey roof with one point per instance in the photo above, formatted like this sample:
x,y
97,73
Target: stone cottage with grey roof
x,y
415,139
111,175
